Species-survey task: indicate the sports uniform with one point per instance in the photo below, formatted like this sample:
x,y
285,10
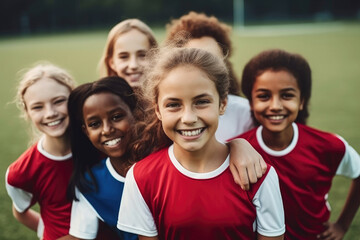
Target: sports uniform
x,y
306,169
163,198
236,119
37,176
102,204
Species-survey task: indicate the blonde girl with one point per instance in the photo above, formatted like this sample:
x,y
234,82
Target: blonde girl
x,y
185,189
125,50
41,174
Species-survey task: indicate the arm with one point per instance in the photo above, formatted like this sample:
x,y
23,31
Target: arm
x,y
246,164
338,229
261,237
148,238
29,218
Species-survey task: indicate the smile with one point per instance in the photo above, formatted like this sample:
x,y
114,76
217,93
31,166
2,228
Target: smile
x,y
54,123
277,117
112,142
191,133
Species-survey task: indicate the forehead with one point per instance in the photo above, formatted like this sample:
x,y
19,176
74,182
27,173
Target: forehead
x,y
132,40
276,80
102,103
206,43
45,89
186,82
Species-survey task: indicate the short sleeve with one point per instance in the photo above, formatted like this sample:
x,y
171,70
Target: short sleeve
x,y
134,214
350,164
22,199
270,220
84,221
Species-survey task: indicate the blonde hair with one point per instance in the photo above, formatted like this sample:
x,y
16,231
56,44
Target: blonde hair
x,y
119,29
29,76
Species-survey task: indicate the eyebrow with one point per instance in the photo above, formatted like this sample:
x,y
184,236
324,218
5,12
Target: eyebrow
x,y
196,97
282,90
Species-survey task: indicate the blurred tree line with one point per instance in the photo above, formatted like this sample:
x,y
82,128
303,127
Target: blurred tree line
x,y
28,16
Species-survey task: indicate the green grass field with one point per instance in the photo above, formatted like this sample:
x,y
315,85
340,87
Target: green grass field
x,y
333,51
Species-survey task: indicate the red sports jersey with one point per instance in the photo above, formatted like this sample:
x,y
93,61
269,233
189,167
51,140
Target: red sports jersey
x,y
305,169
187,205
45,178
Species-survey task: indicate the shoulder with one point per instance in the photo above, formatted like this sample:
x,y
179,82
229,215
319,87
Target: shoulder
x,y
25,165
319,139
251,134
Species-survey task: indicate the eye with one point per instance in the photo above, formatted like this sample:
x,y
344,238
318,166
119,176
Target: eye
x,y
93,124
123,56
59,101
172,105
118,116
287,96
202,101
142,54
263,96
36,107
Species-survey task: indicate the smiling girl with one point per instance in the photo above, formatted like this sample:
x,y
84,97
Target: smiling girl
x,y
185,190
278,86
125,50
101,115
41,174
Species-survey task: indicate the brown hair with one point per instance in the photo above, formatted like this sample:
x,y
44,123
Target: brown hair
x,y
200,25
119,29
277,60
165,60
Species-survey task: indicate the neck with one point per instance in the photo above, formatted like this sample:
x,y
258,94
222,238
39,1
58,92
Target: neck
x,y
278,140
120,166
59,146
207,159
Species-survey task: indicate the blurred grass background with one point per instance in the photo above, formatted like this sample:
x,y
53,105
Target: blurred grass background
x,y
332,49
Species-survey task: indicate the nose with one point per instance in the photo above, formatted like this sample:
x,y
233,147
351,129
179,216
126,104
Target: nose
x,y
107,128
276,104
51,111
133,63
189,116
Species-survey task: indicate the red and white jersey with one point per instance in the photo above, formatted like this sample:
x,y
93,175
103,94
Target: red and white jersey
x,y
162,198
37,176
306,169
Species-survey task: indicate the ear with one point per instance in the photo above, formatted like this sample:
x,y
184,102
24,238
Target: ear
x,y
83,128
111,64
301,105
157,111
223,105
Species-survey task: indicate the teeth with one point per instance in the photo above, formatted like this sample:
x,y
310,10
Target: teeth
x,y
276,117
53,123
112,142
191,133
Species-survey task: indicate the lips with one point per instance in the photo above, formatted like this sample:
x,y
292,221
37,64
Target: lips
x,y
134,77
191,133
53,123
112,142
276,117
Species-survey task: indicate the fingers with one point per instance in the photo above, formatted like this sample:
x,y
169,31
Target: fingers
x,y
262,164
241,178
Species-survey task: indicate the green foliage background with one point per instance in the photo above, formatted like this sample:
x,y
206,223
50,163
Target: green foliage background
x,y
332,49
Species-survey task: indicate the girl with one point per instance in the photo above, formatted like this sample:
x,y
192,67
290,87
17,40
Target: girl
x,y
41,174
101,114
186,191
210,34
125,50
278,86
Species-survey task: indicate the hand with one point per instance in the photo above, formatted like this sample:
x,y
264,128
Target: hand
x,y
334,231
246,164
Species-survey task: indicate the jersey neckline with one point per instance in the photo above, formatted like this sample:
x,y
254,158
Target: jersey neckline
x,y
195,175
50,156
280,153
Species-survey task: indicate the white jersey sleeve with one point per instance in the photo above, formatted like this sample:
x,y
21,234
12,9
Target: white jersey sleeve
x,y
350,164
84,222
270,220
21,199
134,214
